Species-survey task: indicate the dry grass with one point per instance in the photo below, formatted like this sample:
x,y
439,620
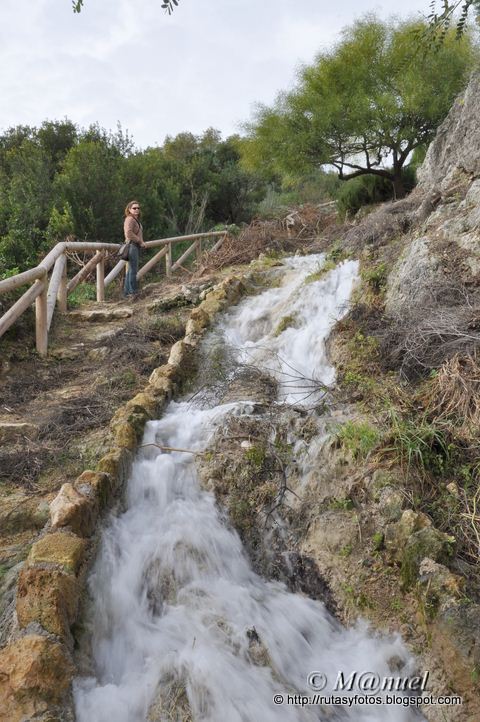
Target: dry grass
x,y
382,224
454,394
428,334
296,229
22,466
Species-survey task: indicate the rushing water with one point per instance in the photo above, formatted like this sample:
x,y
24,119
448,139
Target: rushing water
x,y
177,608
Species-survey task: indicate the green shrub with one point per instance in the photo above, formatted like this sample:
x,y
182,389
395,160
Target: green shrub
x,y
368,189
376,277
83,293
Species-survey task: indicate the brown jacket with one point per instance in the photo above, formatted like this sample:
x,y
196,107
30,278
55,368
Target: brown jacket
x,y
133,230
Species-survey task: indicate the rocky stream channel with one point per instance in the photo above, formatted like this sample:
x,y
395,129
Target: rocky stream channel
x,y
184,621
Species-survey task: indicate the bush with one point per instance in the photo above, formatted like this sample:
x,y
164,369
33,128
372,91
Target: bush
x,y
368,189
83,293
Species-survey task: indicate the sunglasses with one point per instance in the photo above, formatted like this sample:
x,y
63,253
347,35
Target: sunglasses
x,y
135,208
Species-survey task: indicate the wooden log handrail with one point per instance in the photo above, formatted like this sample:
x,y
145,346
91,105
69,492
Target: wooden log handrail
x,y
21,305
48,296
33,274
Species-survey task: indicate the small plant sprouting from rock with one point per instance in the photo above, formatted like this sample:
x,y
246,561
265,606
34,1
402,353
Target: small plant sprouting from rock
x,y
378,540
376,277
256,456
285,322
328,265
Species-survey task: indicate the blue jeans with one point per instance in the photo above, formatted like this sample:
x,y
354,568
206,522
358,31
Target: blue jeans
x,y
130,286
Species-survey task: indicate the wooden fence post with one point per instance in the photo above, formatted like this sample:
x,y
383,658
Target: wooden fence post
x,y
168,261
101,278
41,320
199,252
62,290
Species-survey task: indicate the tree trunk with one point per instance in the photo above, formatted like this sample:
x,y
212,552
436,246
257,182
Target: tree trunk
x,y
398,187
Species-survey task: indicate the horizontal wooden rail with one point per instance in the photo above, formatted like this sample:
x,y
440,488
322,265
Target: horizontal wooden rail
x,y
21,305
49,296
10,284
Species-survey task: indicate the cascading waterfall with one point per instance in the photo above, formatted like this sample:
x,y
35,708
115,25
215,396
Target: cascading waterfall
x,y
178,615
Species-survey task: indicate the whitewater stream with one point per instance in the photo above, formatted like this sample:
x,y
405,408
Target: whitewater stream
x,y
177,610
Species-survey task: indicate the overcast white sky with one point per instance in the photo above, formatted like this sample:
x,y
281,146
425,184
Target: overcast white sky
x,y
126,60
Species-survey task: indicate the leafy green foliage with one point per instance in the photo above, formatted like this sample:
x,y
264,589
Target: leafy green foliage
x,y
441,22
167,5
82,293
58,181
366,190
363,106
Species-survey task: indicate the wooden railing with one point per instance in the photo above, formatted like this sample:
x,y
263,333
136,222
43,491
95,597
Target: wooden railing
x,y
52,294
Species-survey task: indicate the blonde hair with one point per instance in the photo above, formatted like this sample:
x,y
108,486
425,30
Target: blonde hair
x,y
128,207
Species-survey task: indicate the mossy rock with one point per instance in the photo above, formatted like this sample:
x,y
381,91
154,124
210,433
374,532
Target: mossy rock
x,y
428,542
100,483
117,464
62,549
49,597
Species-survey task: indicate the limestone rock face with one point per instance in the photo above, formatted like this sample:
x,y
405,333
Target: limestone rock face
x,y
162,378
97,315
413,276
36,674
390,503
456,638
98,483
443,251
456,145
117,464
182,356
198,321
439,581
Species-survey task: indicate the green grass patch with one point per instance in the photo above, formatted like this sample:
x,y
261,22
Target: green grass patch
x,y
419,442
358,437
256,456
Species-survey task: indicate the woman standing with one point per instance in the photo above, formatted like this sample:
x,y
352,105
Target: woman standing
x,y
134,237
